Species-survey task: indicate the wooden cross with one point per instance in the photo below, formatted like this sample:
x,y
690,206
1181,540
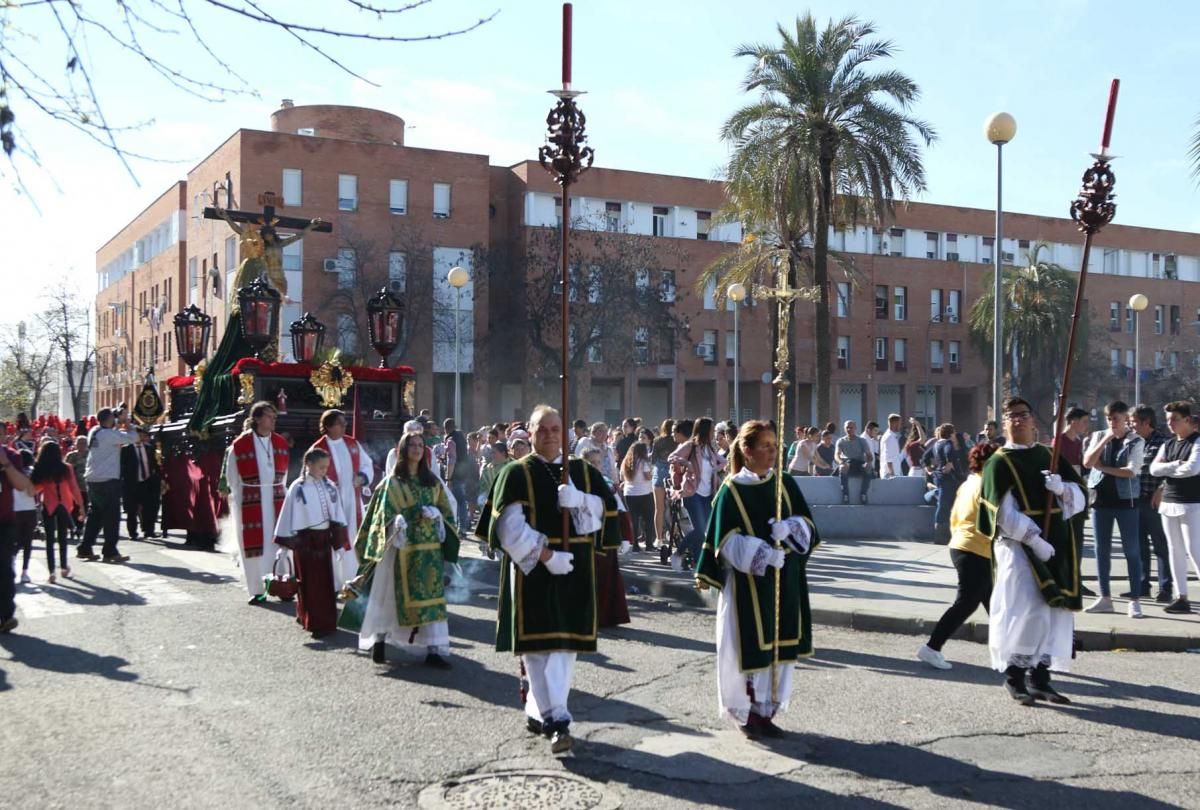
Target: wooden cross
x,y
269,201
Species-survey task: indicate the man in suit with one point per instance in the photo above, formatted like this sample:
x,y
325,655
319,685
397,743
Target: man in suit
x,y
141,480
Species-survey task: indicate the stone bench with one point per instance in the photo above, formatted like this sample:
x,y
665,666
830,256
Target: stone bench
x,y
827,490
895,509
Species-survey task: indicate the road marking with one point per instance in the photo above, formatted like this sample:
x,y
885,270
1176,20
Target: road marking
x,y
38,601
153,589
211,562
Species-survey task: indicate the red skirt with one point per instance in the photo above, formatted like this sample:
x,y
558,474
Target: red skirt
x,y
611,608
316,605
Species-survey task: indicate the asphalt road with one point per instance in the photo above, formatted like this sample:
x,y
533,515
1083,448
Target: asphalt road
x,y
154,685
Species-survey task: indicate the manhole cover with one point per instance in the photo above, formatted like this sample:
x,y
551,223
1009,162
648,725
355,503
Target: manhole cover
x,y
528,790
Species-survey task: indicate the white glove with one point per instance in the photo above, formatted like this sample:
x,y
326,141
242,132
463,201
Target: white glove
x,y
624,548
1054,482
560,563
431,513
775,558
399,531
780,531
1040,548
569,497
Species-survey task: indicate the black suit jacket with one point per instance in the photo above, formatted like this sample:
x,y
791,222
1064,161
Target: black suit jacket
x,y
129,467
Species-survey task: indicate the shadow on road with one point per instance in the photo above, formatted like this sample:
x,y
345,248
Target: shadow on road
x,y
37,653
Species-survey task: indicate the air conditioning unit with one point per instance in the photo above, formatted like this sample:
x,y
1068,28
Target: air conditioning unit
x,y
951,316
951,257
331,266
706,351
396,285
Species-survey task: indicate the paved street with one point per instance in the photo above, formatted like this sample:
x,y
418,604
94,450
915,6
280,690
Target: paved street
x,y
155,685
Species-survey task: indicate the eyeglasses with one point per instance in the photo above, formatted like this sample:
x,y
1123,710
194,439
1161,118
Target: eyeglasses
x,y
1019,416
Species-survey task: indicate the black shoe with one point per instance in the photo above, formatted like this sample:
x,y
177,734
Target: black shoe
x,y
436,661
1180,605
1039,685
377,653
750,730
533,726
768,729
560,738
1084,590
116,558
1019,693
9,624
86,556
1164,597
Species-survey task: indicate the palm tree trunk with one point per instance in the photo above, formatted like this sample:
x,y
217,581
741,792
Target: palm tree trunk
x,y
821,281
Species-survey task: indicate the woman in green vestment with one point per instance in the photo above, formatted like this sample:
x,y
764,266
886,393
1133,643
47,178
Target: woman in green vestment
x,y
407,539
758,562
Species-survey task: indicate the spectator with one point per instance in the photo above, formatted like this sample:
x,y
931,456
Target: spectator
x,y
1114,457
971,554
946,461
626,440
1150,530
25,516
914,448
598,440
1179,463
664,444
518,444
696,466
581,430
61,500
12,481
890,448
77,459
103,476
141,485
802,460
872,437
989,433
800,432
854,459
824,455
1070,441
637,487
458,468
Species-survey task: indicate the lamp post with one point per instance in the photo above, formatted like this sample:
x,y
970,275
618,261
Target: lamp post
x,y
1137,302
1000,128
737,294
384,318
457,278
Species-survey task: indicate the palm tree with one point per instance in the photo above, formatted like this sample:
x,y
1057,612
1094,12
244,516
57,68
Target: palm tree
x,y
825,142
1035,296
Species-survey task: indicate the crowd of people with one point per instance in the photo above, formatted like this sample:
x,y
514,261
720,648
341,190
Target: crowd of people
x,y
384,540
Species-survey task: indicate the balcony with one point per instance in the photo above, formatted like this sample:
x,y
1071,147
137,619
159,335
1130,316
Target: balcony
x,y
881,364
936,369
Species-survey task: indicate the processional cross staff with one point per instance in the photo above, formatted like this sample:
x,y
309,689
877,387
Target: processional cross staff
x,y
566,156
1092,209
784,294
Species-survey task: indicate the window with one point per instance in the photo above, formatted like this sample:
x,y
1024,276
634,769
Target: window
x,y
310,131
952,239
843,299
441,200
193,276
881,354
347,334
896,233
1023,244
641,278
398,197
293,255
953,356
595,353
1158,360
1008,257
881,302
347,192
900,353
1114,359
667,286
953,305
877,242
703,224
1176,318
710,294
1158,319
347,264
641,345
659,221
1114,316
931,245
1129,358
935,305
843,351
1171,270
729,348
935,355
1173,361
900,301
595,285
397,271
231,254
989,244
293,187
708,347
558,212
1129,316
612,217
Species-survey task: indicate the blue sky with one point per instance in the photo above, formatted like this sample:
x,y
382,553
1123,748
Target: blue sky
x,y
661,79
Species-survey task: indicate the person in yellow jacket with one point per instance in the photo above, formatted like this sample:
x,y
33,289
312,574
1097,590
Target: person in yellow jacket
x,y
971,553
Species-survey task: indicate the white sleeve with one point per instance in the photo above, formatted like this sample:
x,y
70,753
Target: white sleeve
x,y
366,466
1186,468
745,553
336,513
232,478
589,517
1015,524
1160,467
520,542
1073,500
283,526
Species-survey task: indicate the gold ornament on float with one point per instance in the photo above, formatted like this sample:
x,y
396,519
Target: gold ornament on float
x,y
246,378
331,382
198,375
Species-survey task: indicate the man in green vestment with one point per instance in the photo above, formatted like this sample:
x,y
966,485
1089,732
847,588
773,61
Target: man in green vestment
x,y
1037,585
547,610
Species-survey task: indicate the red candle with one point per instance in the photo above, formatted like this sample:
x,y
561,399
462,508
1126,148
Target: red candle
x,y
566,51
1108,118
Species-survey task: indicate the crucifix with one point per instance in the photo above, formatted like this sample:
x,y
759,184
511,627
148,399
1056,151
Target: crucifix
x,y
784,294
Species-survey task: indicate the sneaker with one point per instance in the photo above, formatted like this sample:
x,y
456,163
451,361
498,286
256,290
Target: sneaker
x,y
25,580
1135,609
1180,605
676,562
933,657
1102,605
1164,597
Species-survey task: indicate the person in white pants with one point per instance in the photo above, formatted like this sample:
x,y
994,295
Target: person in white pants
x,y
1178,464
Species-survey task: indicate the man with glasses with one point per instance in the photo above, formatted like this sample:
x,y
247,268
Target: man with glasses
x,y
1036,581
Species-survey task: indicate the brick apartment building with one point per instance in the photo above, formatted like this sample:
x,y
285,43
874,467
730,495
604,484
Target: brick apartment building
x,y
402,217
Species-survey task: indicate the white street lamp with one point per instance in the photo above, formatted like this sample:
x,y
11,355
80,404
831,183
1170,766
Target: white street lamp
x,y
458,278
737,294
1137,302
999,129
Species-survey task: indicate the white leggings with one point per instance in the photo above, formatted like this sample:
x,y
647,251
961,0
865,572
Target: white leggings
x,y
1183,539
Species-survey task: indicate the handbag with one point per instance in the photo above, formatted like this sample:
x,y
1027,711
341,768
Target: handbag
x,y
282,586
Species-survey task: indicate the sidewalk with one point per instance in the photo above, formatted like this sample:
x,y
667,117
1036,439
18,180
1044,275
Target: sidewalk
x,y
891,586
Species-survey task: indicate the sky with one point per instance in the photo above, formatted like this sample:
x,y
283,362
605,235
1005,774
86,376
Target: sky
x,y
660,80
